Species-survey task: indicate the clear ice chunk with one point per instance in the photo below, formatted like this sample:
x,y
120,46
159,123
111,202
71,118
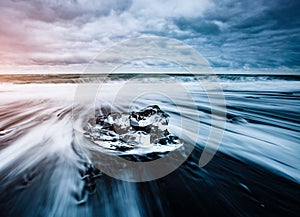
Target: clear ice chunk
x,y
146,129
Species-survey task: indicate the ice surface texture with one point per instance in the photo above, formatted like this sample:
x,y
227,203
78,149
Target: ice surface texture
x,y
144,130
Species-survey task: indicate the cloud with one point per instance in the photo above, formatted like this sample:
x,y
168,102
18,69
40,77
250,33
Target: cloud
x,y
170,8
198,26
31,30
229,33
251,34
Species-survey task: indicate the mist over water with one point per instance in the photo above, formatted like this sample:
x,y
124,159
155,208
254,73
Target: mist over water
x,y
46,170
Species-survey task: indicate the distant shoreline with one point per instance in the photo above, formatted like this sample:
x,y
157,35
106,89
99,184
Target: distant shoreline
x,y
82,78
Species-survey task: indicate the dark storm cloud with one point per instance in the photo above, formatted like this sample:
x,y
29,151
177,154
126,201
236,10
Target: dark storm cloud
x,y
229,33
248,34
198,26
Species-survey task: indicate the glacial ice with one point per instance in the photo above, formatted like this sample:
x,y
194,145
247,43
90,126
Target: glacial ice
x,y
140,132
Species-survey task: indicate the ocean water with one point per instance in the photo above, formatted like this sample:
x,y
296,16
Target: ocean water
x,y
48,169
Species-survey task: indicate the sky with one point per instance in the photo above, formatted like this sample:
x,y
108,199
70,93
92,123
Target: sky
x,y
64,36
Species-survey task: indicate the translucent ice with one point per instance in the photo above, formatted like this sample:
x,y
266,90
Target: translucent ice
x,y
144,130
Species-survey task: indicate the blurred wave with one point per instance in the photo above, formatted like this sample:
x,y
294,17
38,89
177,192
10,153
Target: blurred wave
x,y
44,170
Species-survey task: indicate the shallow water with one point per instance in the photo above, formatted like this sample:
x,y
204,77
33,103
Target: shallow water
x,y
46,167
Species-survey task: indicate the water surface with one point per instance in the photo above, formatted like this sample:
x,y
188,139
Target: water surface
x,y
45,169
